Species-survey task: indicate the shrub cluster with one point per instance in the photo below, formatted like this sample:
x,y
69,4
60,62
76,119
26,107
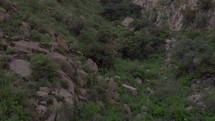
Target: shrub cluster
x,y
43,67
99,46
144,44
205,4
194,55
115,9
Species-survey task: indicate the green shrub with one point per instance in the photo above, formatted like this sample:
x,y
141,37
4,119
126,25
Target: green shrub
x,y
4,63
188,16
201,20
143,44
6,4
99,45
76,26
43,67
10,51
192,34
88,112
205,4
115,9
209,101
207,66
190,54
141,23
102,54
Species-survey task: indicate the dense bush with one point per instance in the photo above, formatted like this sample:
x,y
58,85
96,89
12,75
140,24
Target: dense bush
x,y
143,22
201,20
209,99
188,16
43,67
191,54
144,44
115,9
76,26
205,4
99,46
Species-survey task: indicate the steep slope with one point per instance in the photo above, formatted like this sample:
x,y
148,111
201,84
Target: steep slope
x,y
178,14
107,60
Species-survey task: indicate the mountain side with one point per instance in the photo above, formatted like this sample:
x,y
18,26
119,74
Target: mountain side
x,y
107,60
179,14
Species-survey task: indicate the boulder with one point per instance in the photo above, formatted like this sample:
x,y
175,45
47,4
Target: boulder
x,y
195,97
45,89
127,109
83,92
112,85
92,66
68,97
69,69
43,103
21,67
41,109
79,53
189,108
82,77
111,92
117,77
42,94
25,27
71,85
57,57
128,112
62,42
131,89
2,14
7,17
127,21
149,90
28,47
66,66
52,117
78,63
138,80
55,107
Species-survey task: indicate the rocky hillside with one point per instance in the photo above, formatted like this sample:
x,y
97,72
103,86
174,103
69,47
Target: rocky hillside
x,y
178,14
107,60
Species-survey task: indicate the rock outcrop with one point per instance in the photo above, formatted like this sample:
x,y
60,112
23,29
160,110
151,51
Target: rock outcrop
x,y
171,12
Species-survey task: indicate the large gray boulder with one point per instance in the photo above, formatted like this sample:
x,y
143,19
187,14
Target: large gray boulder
x,y
21,67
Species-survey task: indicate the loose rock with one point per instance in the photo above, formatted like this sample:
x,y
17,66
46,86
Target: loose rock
x,y
138,80
130,88
42,94
45,89
92,66
41,109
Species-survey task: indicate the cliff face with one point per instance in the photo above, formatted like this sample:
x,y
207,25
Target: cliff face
x,y
173,13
